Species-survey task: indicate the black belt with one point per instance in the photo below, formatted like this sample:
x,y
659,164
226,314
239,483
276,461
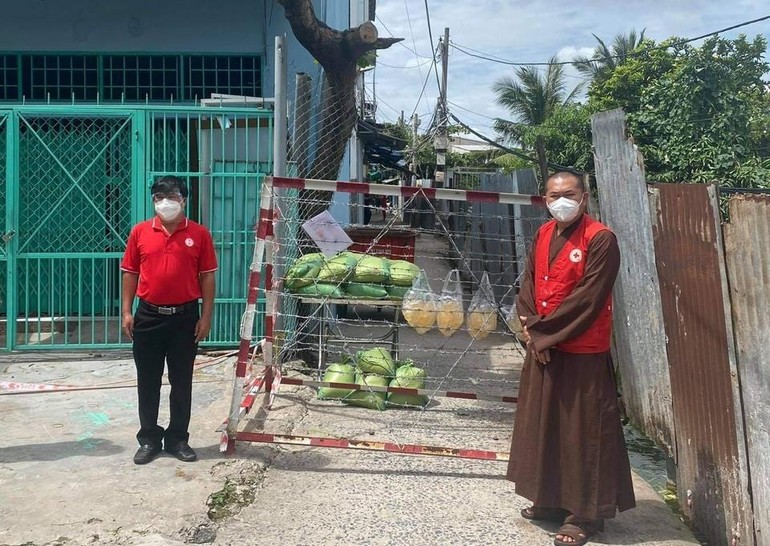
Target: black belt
x,y
169,309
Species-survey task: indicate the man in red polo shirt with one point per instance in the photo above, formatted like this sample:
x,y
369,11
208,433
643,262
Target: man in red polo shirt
x,y
169,265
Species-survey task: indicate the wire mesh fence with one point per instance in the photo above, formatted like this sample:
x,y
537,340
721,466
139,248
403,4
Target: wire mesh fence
x,y
424,304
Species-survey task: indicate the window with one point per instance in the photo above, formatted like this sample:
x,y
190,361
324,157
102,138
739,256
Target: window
x,y
9,77
60,77
135,78
231,75
127,77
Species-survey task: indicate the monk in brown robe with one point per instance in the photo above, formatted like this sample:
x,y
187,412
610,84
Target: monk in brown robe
x,y
568,454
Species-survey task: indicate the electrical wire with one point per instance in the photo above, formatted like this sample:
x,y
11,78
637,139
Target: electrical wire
x,y
414,43
517,153
480,55
422,92
430,36
402,44
427,61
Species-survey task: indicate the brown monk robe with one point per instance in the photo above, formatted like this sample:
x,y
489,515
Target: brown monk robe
x,y
568,450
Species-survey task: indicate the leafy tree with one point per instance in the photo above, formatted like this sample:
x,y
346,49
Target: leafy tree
x,y
533,97
697,114
566,136
606,59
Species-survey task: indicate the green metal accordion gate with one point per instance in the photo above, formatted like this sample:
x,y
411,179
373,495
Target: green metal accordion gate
x,y
77,178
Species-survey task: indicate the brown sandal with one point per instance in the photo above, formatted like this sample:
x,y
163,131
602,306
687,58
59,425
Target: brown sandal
x,y
579,531
544,514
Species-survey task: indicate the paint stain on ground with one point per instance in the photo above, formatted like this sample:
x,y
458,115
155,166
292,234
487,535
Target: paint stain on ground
x,y
184,475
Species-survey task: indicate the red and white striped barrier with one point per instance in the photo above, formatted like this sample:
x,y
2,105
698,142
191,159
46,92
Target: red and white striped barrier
x,y
369,445
264,230
471,196
271,379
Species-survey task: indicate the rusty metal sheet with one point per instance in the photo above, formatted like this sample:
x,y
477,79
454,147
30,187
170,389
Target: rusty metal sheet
x,y
640,349
712,474
747,252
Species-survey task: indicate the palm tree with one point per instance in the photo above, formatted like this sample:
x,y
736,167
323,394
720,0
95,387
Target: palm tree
x,y
532,97
606,59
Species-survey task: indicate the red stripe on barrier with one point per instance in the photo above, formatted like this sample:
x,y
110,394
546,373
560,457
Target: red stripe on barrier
x,y
352,187
243,358
343,443
511,399
253,293
537,200
482,196
464,395
409,191
295,183
255,386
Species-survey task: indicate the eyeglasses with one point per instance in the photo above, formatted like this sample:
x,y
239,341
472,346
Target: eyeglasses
x,y
170,196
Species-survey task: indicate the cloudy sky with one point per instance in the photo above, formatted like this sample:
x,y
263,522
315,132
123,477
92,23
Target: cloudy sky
x,y
521,31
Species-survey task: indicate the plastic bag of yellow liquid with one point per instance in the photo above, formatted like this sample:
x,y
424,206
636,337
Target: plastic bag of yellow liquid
x,y
419,305
482,312
513,322
449,307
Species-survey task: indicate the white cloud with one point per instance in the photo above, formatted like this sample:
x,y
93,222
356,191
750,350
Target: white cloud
x,y
523,31
570,53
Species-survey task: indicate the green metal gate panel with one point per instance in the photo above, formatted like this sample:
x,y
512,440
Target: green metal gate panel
x,y
78,178
3,234
74,217
224,154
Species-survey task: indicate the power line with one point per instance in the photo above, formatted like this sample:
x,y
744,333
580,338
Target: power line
x,y
402,44
430,36
487,57
471,111
517,153
414,43
424,85
418,65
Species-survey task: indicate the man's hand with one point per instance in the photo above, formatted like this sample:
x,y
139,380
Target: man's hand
x,y
527,338
128,325
202,329
544,357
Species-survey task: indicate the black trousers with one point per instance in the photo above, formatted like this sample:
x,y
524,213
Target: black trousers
x,y
161,339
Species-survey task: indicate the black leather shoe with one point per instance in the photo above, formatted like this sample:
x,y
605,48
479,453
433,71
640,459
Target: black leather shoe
x,y
146,453
182,451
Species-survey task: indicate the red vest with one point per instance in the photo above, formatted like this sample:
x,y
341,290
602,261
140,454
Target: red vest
x,y
555,281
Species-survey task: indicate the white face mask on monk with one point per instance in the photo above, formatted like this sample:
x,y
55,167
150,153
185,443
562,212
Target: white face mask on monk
x,y
564,209
168,210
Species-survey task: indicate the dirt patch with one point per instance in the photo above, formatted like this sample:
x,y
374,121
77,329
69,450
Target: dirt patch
x,y
242,481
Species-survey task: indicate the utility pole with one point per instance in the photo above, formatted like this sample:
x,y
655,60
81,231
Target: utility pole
x,y
442,141
413,165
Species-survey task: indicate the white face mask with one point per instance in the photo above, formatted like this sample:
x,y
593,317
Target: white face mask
x,y
565,210
168,210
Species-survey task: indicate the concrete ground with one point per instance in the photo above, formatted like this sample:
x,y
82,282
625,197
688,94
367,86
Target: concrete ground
x,y
67,476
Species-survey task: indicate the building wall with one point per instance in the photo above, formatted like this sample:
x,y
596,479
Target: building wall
x,y
212,26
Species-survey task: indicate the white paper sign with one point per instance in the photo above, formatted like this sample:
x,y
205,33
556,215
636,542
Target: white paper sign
x,y
327,234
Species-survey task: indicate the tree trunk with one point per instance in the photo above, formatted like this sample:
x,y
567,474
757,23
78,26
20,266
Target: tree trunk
x,y
338,53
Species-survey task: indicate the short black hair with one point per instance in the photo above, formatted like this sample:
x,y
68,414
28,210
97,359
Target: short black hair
x,y
568,174
169,184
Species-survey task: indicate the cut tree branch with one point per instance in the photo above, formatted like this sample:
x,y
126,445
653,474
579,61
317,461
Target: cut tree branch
x,y
335,50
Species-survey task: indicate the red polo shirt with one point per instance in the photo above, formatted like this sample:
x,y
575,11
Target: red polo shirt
x,y
169,265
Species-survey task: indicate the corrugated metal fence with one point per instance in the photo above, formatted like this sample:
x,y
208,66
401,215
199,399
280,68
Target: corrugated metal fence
x,y
710,296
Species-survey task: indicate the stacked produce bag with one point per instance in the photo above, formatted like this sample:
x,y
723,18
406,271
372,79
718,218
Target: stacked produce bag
x,y
350,275
375,368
